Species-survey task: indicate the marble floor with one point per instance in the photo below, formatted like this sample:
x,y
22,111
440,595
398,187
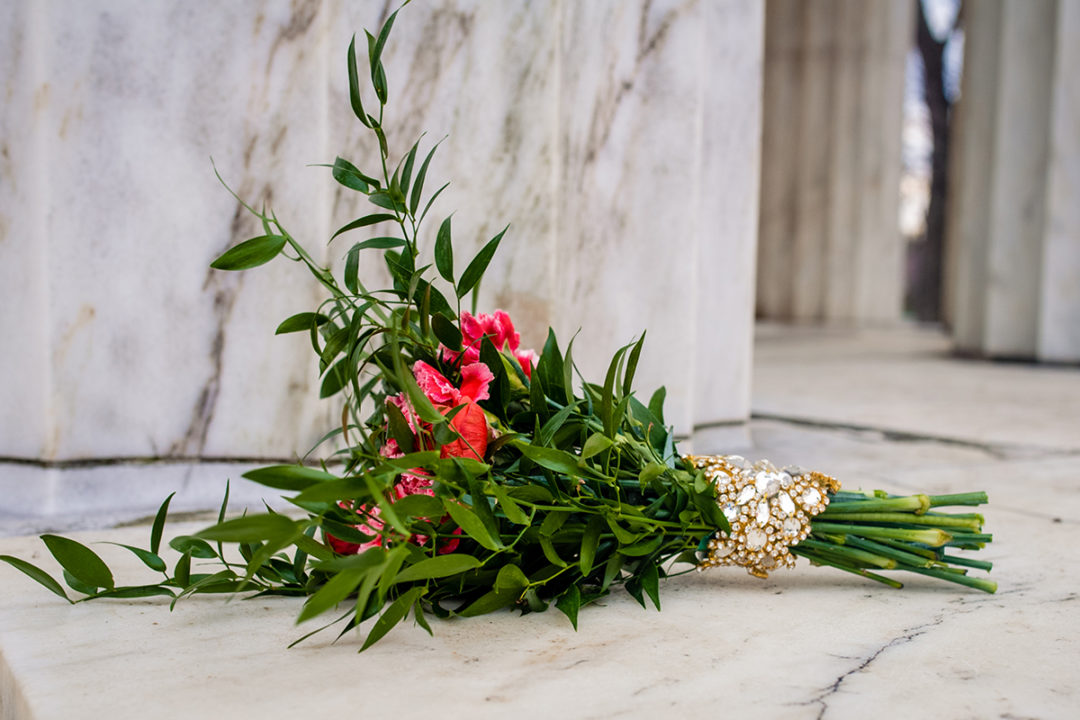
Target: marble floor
x,y
883,409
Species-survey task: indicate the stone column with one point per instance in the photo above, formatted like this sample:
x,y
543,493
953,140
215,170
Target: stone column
x,y
1014,260
829,246
621,138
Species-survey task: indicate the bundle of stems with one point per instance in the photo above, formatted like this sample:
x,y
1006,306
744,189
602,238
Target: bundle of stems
x,y
864,533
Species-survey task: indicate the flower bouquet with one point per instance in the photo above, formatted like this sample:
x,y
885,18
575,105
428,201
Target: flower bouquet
x,y
469,474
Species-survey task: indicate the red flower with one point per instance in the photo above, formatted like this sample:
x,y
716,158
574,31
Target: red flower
x,y
469,422
500,330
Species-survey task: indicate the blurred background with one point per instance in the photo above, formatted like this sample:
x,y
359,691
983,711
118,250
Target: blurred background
x,y
821,210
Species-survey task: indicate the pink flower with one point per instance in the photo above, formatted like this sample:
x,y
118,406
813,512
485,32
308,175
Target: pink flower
x,y
500,330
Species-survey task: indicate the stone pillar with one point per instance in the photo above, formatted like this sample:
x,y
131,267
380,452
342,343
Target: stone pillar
x,y
1014,261
620,138
829,245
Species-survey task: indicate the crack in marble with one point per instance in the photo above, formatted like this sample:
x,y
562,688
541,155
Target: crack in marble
x,y
907,636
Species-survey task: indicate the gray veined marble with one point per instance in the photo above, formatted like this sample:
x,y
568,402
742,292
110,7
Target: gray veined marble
x,y
620,138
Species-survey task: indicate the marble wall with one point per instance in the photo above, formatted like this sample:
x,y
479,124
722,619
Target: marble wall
x,y
620,139
1013,264
829,246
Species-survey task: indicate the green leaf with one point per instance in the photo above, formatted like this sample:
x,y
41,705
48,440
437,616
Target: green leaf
x,y
399,428
79,560
569,603
650,472
386,199
186,544
446,331
650,583
137,591
288,477
550,458
510,508
378,243
335,590
352,270
37,574
624,536
78,585
645,547
431,201
363,222
159,525
301,322
444,251
489,602
554,520
590,541
631,365
336,378
250,253
350,176
418,613
607,398
354,86
375,53
471,524
250,528
151,560
438,567
596,443
418,186
656,403
479,264
182,571
550,365
550,553
410,461
419,505
406,171
511,579
392,616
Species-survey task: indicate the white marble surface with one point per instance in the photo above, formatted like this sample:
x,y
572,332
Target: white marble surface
x,y
905,379
128,345
810,643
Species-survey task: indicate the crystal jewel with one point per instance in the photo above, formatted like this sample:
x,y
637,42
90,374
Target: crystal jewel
x,y
746,495
755,538
791,527
785,480
738,461
730,511
811,497
723,549
767,483
786,503
763,513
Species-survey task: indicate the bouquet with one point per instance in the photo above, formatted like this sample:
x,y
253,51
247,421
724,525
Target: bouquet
x,y
470,474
